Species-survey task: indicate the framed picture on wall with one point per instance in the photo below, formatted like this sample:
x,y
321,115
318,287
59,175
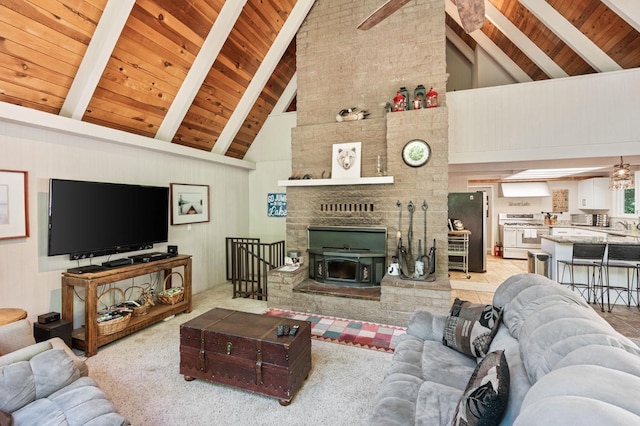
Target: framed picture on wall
x,y
346,160
189,203
14,204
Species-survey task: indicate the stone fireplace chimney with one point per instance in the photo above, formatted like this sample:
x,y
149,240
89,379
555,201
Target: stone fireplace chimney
x,y
339,67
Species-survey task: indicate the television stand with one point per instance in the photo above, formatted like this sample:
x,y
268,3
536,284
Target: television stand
x,y
86,337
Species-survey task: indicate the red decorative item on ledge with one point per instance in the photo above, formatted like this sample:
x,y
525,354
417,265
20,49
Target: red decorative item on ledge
x,y
432,98
399,102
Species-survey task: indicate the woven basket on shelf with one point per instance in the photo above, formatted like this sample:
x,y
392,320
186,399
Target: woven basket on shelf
x,y
145,300
115,325
172,295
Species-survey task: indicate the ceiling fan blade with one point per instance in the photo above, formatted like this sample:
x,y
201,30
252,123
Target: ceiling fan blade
x,y
471,14
381,14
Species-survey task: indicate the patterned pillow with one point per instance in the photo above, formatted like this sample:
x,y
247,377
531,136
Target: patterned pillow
x,y
485,398
470,327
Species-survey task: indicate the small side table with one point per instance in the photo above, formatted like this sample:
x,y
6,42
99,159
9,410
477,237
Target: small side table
x,y
9,315
60,328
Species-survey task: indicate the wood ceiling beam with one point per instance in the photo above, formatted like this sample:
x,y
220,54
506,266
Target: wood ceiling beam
x,y
524,43
573,37
628,10
490,47
59,125
271,60
113,19
200,68
287,96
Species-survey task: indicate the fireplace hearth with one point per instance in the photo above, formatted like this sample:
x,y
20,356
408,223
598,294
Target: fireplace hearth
x,y
347,256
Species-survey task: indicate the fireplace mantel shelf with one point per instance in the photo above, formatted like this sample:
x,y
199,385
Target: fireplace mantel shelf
x,y
337,181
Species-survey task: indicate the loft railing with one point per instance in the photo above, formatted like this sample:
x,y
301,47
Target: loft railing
x,y
249,262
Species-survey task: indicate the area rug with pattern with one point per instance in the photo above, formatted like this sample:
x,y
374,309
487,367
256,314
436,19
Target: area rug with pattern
x,y
368,335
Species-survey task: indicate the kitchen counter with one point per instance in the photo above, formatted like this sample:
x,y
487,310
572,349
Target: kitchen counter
x,y
609,231
572,239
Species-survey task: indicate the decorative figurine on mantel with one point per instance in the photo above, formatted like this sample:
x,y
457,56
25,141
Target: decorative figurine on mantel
x,y
417,103
404,92
420,93
399,102
352,114
432,98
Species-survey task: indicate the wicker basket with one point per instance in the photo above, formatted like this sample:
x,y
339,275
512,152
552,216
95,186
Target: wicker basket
x,y
113,326
174,294
145,300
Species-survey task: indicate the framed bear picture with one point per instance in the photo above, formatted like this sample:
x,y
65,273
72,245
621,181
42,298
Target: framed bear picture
x,y
346,160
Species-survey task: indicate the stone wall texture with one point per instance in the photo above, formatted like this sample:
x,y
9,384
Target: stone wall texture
x,y
340,67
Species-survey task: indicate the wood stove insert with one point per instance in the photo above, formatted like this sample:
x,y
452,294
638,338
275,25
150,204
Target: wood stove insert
x,y
347,256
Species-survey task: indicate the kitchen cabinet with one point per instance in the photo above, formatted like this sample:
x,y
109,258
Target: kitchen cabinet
x,y
594,194
555,231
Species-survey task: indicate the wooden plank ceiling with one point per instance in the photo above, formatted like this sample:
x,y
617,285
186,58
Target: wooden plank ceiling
x,y
207,73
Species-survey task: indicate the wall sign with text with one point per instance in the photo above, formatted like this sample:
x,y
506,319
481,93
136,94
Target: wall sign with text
x,y
277,205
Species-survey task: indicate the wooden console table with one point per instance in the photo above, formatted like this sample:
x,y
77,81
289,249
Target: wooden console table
x,y
86,337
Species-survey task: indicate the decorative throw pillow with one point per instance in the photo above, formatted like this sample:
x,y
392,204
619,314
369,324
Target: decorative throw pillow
x,y
485,398
470,327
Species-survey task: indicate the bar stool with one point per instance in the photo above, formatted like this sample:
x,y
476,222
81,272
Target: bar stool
x,y
590,257
627,258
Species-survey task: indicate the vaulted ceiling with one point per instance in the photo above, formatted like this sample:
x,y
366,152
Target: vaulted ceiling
x,y
207,73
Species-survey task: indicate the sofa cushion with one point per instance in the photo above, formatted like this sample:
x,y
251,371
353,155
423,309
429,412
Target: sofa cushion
x,y
596,383
436,404
15,335
515,284
485,398
407,356
604,356
443,365
544,346
534,298
470,327
426,325
395,404
518,381
25,354
25,381
80,403
575,410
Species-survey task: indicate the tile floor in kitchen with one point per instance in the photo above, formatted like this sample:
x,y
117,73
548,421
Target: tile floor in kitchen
x,y
479,288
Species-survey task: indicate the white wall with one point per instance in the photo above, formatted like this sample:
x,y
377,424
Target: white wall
x,y
487,72
576,117
30,280
459,69
271,152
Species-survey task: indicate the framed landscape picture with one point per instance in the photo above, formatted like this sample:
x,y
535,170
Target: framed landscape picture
x,y
14,204
189,203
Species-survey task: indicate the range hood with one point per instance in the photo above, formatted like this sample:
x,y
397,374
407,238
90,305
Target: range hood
x,y
525,189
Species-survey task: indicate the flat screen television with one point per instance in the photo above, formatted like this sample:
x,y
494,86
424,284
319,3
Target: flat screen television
x,y
89,219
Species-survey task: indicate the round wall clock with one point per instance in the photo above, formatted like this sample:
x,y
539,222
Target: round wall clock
x,y
416,153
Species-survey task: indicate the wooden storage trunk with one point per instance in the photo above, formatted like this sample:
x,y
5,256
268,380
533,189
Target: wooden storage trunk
x,y
242,350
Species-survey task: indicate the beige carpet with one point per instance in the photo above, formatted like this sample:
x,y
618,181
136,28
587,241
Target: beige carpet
x,y
140,374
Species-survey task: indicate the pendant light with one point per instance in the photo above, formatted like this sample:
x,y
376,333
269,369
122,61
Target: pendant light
x,y
621,177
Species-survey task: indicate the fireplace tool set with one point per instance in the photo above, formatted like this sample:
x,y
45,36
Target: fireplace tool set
x,y
421,267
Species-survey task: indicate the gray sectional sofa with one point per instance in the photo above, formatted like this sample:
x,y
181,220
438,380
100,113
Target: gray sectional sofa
x,y
566,365
46,384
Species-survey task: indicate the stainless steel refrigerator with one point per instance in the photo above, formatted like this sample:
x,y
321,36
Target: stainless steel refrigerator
x,y
471,209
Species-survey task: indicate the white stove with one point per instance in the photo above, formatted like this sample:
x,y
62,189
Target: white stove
x,y
520,233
